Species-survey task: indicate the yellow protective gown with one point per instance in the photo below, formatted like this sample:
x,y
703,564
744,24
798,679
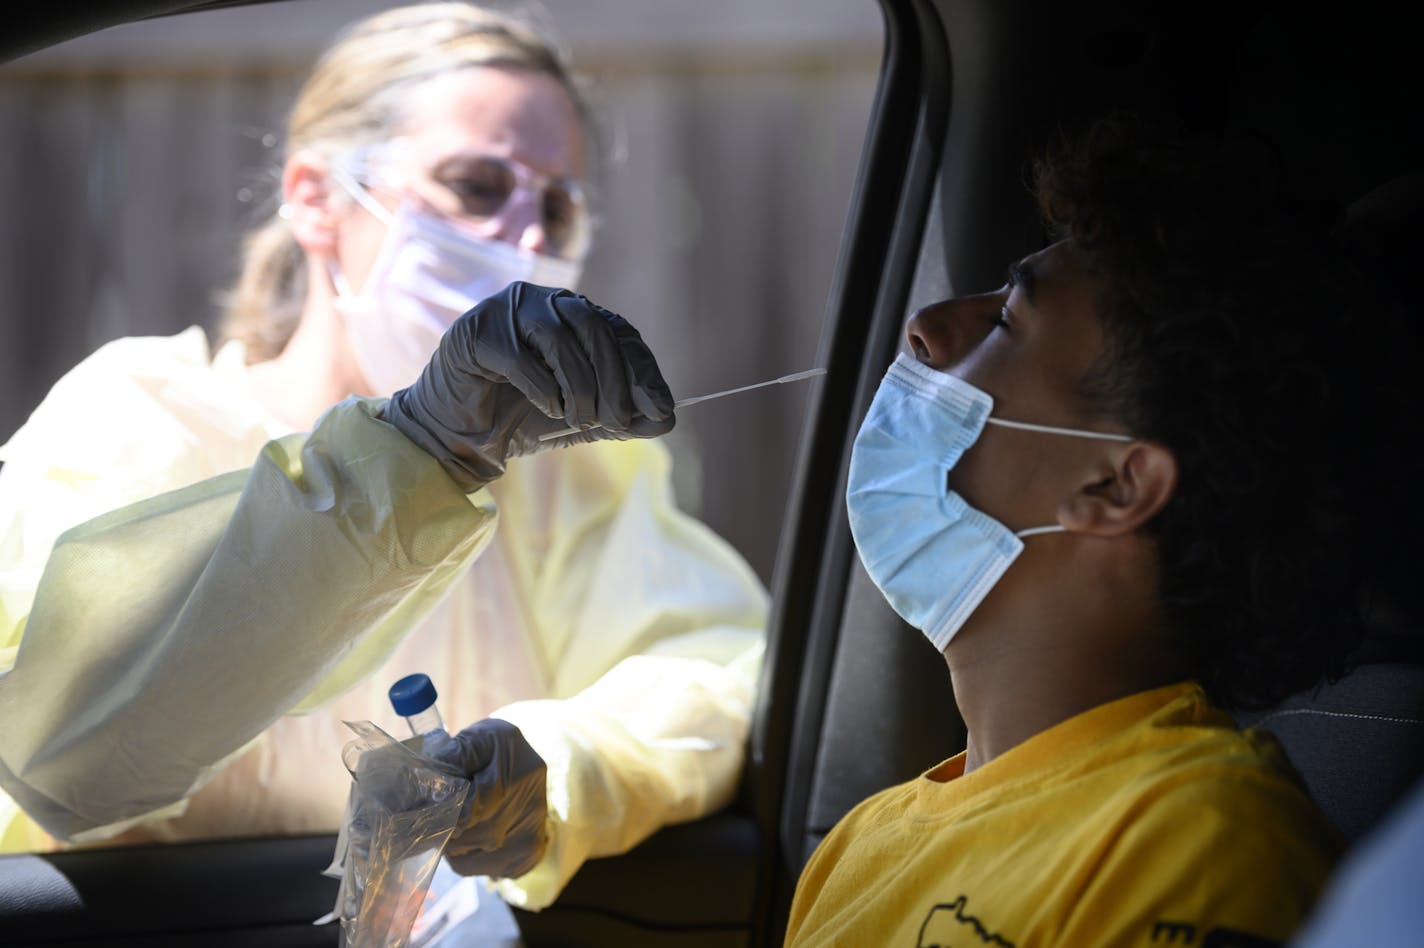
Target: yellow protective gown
x,y
182,669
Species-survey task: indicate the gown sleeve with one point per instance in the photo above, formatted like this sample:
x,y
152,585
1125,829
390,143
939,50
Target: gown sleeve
x,y
165,635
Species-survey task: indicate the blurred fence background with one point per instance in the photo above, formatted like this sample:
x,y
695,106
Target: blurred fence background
x,y
132,161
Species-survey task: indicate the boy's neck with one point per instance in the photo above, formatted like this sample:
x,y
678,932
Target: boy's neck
x,y
1074,637
1002,711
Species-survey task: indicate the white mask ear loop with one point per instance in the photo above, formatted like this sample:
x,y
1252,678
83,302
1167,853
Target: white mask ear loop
x,y
362,196
338,280
1035,531
377,210
1051,429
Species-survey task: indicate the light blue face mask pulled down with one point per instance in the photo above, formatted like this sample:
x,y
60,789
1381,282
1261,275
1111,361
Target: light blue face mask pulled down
x,y
932,556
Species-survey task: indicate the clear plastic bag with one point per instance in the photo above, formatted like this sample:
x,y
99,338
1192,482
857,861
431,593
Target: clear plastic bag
x,y
402,809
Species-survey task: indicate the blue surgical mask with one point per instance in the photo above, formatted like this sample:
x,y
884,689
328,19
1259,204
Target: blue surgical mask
x,y
931,555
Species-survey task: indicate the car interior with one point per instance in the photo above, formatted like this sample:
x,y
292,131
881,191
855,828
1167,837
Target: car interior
x,y
852,700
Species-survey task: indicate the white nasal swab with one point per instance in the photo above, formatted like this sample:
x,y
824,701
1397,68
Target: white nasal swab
x,y
684,402
794,377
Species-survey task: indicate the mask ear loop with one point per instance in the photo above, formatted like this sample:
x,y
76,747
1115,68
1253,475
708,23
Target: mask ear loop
x,y
362,197
1035,531
1051,429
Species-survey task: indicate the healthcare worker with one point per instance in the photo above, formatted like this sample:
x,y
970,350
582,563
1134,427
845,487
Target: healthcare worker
x,y
184,668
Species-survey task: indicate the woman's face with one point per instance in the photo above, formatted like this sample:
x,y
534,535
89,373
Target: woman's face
x,y
469,136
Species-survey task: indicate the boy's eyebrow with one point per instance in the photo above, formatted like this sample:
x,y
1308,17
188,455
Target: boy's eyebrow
x,y
1021,275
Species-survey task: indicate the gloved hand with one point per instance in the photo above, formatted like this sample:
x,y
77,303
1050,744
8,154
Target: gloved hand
x,y
528,361
502,829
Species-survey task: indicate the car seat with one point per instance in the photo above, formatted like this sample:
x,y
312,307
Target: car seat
x,y
1359,742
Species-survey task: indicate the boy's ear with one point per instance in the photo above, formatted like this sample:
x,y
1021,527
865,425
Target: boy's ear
x,y
1135,481
307,202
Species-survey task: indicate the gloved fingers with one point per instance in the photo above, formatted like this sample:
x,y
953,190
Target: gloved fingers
x,y
651,396
643,427
520,827
472,749
499,763
569,352
520,853
501,826
543,349
475,862
608,375
516,764
597,330
490,342
636,403
575,341
438,745
505,334
507,837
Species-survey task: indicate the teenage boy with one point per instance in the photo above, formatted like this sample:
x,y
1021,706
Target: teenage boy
x,y
1118,493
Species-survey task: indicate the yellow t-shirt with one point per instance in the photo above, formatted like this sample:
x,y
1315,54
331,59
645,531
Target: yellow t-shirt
x,y
1148,821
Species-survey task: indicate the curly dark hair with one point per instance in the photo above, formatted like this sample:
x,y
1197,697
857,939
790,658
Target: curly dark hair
x,y
1236,338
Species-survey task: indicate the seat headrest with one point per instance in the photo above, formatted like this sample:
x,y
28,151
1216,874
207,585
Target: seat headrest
x,y
1384,234
1386,242
1391,210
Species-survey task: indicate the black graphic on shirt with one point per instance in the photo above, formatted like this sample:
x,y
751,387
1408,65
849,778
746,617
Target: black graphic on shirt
x,y
1174,933
1185,934
949,926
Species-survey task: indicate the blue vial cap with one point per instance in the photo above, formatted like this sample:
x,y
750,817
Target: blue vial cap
x,y
412,695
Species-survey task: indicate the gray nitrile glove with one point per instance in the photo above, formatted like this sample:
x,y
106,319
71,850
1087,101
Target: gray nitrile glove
x,y
502,830
525,362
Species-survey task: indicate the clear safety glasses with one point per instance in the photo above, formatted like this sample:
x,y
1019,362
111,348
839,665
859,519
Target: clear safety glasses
x,y
479,193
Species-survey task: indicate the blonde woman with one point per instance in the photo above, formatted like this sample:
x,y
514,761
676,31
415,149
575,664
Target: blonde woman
x,y
184,667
